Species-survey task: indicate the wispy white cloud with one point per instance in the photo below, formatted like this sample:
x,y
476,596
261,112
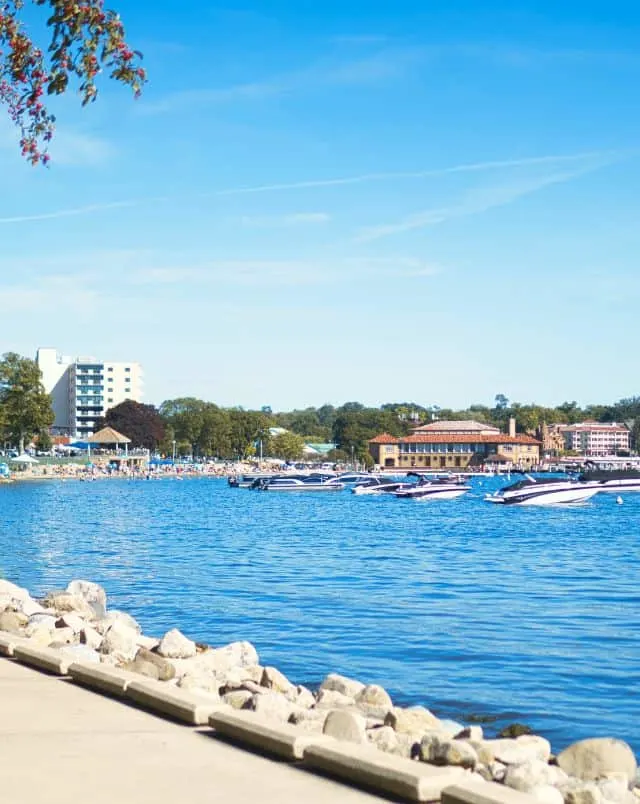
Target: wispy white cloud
x,y
53,294
588,158
474,201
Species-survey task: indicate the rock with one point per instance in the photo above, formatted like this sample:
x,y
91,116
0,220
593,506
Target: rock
x,y
514,752
39,635
348,687
413,720
120,641
450,727
238,675
71,620
150,643
251,686
528,775
143,668
332,699
270,704
91,593
237,654
384,738
473,733
115,616
616,790
238,698
374,697
46,620
597,757
484,772
408,745
497,771
581,793
11,590
30,607
175,645
62,602
304,697
166,671
514,730
81,653
428,742
273,679
309,720
202,681
453,752
347,726
90,637
547,794
13,622
63,636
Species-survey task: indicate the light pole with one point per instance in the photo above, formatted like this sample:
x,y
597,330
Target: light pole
x,y
352,451
174,450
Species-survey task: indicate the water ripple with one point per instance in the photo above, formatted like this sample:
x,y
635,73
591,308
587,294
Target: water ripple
x,y
519,614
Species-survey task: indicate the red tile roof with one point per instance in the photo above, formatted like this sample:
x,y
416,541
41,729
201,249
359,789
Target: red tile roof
x,y
462,438
384,438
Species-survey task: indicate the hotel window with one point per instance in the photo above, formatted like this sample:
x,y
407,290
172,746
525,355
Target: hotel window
x,y
109,400
110,368
127,369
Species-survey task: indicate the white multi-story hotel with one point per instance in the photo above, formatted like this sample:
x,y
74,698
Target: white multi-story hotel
x,y
83,389
596,439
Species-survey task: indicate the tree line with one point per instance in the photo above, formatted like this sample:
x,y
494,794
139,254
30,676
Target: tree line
x,y
190,426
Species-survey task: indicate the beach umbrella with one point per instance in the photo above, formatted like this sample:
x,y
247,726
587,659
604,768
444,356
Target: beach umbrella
x,y
24,458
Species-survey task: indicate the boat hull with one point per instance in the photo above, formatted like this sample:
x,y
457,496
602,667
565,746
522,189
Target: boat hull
x,y
433,493
305,487
572,496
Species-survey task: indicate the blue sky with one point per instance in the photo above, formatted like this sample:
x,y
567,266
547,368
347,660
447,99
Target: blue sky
x,y
325,201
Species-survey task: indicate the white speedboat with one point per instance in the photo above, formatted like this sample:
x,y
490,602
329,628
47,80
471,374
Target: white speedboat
x,y
613,481
433,489
554,491
380,485
290,483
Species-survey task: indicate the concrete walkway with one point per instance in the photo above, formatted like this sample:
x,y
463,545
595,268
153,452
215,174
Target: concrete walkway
x,y
60,743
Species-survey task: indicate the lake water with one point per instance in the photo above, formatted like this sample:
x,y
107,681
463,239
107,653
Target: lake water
x,y
529,615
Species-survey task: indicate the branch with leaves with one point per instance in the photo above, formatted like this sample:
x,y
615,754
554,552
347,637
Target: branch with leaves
x,y
86,40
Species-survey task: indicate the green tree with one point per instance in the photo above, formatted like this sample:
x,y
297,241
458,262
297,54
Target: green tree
x,y
44,441
26,407
288,446
185,416
85,39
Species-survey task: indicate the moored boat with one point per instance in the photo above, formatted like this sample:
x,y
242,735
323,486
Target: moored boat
x,y
434,489
289,483
380,485
554,491
613,481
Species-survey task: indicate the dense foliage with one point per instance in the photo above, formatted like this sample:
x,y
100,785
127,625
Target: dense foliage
x,y
85,39
25,407
141,423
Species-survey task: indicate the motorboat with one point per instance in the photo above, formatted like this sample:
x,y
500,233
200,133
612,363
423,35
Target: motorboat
x,y
353,478
550,491
380,485
613,481
247,481
437,488
295,483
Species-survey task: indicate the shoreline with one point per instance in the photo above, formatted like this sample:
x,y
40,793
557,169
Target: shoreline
x,y
77,625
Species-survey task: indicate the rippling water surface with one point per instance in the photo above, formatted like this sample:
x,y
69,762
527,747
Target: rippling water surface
x,y
469,608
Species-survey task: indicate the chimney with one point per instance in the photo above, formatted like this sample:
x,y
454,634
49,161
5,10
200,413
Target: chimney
x,y
512,426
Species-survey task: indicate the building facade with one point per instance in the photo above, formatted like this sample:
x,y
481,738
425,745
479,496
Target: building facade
x,y
596,439
455,445
83,389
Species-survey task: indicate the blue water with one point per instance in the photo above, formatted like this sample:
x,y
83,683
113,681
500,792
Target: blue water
x,y
529,615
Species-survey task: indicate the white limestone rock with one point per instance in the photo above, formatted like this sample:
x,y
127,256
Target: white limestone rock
x,y
384,738
64,602
114,616
547,794
515,751
175,645
71,620
13,622
272,705
347,726
374,699
528,775
120,641
91,593
597,757
332,699
200,681
90,637
616,790
273,679
12,591
451,727
81,653
304,697
237,699
576,791
166,670
348,687
453,752
472,733
236,654
63,636
413,720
